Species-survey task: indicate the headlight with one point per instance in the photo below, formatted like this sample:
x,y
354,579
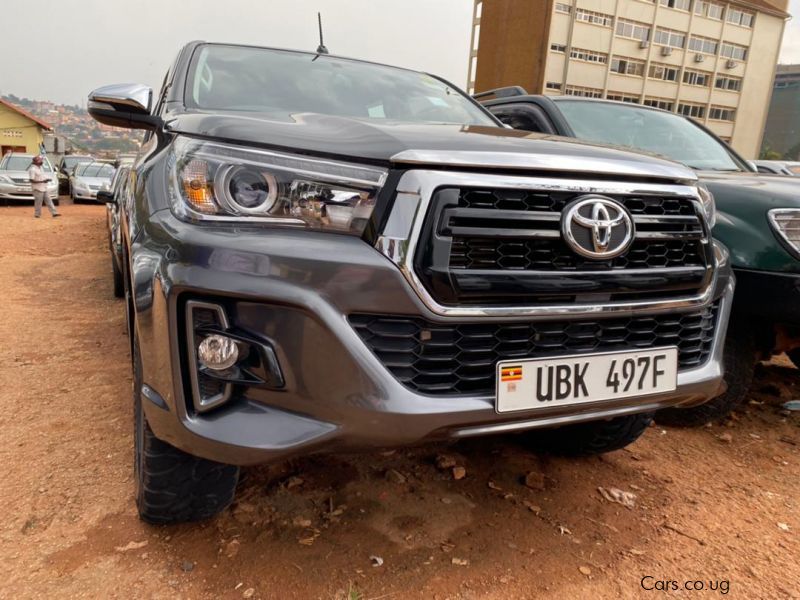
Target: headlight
x,y
218,182
709,207
786,223
79,185
5,179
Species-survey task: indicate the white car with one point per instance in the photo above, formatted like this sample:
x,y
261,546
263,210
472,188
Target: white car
x,y
776,167
89,178
14,181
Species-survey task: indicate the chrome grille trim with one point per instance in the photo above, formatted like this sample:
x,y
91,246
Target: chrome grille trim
x,y
415,191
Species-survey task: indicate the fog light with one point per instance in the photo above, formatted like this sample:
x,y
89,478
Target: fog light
x,y
218,352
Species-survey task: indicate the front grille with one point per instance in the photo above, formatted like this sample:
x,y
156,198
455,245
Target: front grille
x,y
546,255
437,358
20,180
504,247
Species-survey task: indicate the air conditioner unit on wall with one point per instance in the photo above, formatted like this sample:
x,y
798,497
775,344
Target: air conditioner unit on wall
x,y
644,44
666,51
698,58
730,64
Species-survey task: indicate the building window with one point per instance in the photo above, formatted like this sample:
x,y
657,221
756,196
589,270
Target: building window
x,y
588,55
662,103
731,84
701,78
721,113
712,10
622,97
740,17
676,4
595,18
733,51
688,109
563,7
702,44
663,72
552,85
670,37
558,48
585,92
627,66
633,30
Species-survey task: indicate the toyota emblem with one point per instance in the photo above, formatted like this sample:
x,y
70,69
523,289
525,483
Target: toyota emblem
x,y
597,227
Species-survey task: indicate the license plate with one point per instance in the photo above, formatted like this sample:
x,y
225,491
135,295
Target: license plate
x,y
584,378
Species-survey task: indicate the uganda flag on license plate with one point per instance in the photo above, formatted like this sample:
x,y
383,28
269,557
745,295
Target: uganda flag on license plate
x,y
511,373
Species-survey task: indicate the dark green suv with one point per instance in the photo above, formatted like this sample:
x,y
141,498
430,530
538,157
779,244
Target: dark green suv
x,y
758,219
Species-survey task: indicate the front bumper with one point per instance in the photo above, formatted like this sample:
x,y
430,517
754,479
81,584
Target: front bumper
x,y
295,290
768,295
79,194
22,193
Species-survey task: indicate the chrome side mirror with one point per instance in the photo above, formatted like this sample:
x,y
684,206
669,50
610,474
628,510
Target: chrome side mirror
x,y
124,105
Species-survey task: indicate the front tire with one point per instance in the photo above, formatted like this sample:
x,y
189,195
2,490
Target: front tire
x,y
741,355
594,437
171,485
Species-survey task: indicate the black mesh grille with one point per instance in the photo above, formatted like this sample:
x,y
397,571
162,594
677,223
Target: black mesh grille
x,y
546,255
505,247
498,199
460,359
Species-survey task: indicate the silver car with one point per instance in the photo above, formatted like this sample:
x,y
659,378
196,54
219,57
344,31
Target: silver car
x,y
14,181
89,178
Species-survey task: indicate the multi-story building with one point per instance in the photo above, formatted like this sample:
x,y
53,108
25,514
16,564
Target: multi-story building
x,y
782,133
712,61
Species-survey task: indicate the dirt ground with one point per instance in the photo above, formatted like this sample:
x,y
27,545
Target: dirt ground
x,y
718,505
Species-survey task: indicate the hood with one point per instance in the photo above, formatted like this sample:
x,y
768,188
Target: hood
x,y
778,189
385,142
16,175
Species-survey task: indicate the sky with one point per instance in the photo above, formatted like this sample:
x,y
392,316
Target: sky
x,y
62,49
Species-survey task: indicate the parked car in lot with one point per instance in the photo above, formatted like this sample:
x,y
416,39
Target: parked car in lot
x,y
14,181
66,165
363,256
89,178
758,219
114,198
773,167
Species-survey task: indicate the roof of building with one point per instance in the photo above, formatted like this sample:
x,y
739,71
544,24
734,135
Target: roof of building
x,y
25,114
774,7
795,68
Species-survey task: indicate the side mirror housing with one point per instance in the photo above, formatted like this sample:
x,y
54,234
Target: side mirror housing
x,y
106,196
125,105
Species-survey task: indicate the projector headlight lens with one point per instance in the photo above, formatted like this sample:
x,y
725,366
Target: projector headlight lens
x,y
219,182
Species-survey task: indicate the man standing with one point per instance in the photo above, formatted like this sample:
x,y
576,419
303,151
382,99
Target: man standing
x,y
39,187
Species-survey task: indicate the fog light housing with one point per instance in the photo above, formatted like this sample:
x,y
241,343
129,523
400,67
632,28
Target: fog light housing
x,y
217,352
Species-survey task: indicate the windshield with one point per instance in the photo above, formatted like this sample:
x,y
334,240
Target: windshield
x,y
95,170
656,131
283,82
20,163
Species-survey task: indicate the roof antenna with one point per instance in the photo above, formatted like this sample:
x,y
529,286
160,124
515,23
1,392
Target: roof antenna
x,y
321,49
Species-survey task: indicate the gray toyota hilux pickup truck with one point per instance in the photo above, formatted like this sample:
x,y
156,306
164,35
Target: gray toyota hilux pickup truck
x,y
321,254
